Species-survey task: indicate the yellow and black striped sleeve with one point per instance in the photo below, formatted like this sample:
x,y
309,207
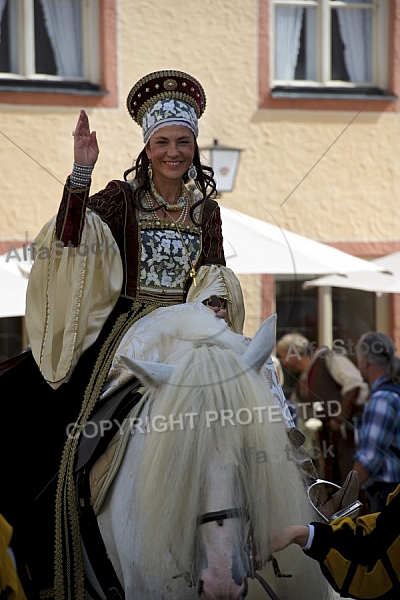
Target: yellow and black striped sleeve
x,y
361,558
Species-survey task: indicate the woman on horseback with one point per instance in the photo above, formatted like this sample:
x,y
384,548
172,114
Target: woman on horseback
x,y
104,261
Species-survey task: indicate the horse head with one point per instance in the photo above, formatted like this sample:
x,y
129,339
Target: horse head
x,y
221,561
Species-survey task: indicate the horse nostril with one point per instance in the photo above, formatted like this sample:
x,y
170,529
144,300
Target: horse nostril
x,y
200,588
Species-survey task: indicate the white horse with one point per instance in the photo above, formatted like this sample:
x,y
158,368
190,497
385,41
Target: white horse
x,y
209,439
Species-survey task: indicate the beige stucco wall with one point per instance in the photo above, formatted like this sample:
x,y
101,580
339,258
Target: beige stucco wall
x,y
351,194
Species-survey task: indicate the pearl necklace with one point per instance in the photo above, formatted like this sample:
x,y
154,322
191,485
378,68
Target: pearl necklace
x,y
180,203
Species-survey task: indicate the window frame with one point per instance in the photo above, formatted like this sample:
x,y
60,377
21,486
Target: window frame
x,y
99,83
323,44
333,96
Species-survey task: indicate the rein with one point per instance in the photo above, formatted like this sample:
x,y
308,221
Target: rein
x,y
220,515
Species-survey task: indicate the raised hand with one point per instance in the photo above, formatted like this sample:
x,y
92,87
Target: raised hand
x,y
86,149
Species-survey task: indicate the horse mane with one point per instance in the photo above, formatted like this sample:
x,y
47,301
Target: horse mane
x,y
211,375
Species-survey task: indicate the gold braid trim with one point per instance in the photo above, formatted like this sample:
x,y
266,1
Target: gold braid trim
x,y
77,307
46,594
161,224
68,563
228,300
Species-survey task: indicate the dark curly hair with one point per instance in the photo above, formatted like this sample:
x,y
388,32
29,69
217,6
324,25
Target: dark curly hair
x,y
205,181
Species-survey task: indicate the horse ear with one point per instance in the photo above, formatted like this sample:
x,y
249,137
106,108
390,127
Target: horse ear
x,y
150,373
261,345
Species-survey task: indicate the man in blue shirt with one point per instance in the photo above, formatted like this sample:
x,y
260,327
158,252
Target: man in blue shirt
x,y
377,459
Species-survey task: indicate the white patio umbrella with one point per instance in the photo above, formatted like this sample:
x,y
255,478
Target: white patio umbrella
x,y
387,282
12,294
14,275
255,246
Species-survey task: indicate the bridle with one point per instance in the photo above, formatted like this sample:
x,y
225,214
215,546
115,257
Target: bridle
x,y
219,516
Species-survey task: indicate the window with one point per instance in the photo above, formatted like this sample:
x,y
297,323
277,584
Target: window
x,y
49,43
354,314
296,308
329,44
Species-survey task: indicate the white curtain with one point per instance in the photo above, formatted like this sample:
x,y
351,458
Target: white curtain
x,y
64,26
355,26
287,40
2,7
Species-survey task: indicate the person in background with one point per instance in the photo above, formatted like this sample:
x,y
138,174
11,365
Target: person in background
x,y
329,391
377,458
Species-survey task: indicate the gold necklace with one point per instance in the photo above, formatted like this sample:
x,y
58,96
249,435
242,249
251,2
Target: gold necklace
x,y
184,209
180,203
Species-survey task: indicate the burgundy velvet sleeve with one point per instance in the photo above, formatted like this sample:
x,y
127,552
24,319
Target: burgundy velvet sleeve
x,y
70,216
109,204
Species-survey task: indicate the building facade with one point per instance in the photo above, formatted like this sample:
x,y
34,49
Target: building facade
x,y
308,90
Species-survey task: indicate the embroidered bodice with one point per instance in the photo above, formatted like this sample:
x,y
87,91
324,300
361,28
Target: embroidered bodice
x,y
166,255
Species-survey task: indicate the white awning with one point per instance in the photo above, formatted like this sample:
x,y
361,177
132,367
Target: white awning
x,y
383,283
255,246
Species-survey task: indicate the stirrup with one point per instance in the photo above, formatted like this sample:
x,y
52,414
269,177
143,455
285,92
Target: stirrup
x,y
325,508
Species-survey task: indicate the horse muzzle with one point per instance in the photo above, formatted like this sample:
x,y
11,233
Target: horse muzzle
x,y
207,590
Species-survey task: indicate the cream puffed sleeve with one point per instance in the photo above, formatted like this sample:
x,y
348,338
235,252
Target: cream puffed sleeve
x,y
71,292
217,280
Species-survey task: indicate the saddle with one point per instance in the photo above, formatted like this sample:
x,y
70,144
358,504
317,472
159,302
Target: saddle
x,y
106,467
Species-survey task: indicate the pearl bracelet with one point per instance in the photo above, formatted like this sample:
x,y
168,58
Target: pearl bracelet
x,y
81,175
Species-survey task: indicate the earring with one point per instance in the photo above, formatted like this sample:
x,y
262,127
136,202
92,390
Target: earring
x,y
150,171
192,172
